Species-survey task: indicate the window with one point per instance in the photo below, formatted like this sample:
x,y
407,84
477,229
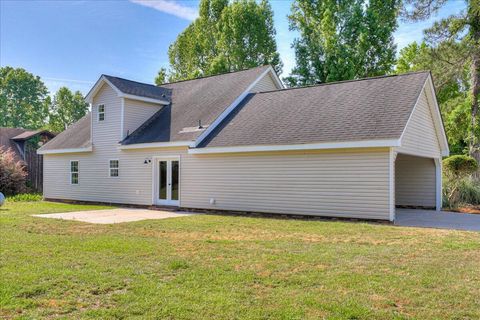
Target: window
x,y
101,112
113,168
74,172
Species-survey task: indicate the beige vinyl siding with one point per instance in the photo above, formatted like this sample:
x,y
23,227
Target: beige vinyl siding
x,y
331,183
420,137
414,181
265,84
136,113
106,133
341,183
133,185
135,178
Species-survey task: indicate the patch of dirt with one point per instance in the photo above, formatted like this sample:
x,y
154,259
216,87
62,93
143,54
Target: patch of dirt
x,y
469,209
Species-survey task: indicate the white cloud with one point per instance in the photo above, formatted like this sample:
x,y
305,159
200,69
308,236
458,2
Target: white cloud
x,y
170,7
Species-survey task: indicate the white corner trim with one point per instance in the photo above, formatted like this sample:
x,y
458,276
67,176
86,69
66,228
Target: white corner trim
x,y
71,150
230,108
157,145
144,99
122,117
292,147
391,183
438,184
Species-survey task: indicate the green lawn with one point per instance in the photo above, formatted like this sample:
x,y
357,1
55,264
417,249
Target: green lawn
x,y
226,267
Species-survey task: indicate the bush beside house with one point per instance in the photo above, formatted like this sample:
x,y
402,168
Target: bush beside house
x,y
460,188
12,173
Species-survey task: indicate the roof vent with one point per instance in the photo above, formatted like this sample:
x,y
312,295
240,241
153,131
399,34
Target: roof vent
x,y
163,95
200,124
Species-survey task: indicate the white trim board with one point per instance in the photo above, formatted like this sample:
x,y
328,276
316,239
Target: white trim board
x,y
122,118
71,150
292,147
438,184
391,183
156,145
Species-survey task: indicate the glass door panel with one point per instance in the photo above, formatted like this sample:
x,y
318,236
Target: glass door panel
x,y
162,180
175,180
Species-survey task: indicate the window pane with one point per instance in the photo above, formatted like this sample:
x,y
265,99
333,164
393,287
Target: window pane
x,y
113,172
162,175
74,178
175,184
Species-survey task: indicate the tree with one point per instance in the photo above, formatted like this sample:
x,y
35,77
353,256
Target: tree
x,y
22,99
225,37
414,57
66,108
161,77
341,40
451,84
460,31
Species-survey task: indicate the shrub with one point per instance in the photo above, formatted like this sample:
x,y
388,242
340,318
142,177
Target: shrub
x,y
12,173
459,188
25,197
465,191
459,166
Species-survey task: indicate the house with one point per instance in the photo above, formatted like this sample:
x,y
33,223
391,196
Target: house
x,y
24,143
242,142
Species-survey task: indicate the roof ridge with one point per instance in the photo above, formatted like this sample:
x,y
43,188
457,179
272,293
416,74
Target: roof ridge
x,y
215,75
173,82
124,79
346,81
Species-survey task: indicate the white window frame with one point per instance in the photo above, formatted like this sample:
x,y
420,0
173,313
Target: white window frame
x,y
101,113
77,172
110,168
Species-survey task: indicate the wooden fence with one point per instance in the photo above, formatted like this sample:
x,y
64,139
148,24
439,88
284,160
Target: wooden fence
x,y
34,164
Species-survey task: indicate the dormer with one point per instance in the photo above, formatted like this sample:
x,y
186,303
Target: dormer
x,y
123,105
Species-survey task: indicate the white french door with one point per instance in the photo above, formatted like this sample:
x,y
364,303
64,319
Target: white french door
x,y
167,181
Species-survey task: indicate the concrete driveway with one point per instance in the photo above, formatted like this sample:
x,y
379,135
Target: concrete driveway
x,y
435,219
117,215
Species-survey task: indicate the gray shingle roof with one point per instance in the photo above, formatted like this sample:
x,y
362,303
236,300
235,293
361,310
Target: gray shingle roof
x,y
76,136
201,99
368,109
374,108
140,89
192,100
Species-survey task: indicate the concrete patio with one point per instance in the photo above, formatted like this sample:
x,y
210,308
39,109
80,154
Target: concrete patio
x,y
117,215
436,219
